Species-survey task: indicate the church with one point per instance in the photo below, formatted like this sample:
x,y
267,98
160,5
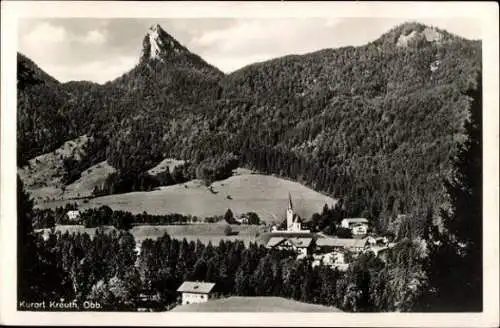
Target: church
x,y
293,222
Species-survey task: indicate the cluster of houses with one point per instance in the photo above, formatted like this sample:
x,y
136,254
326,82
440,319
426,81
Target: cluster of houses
x,y
331,251
327,250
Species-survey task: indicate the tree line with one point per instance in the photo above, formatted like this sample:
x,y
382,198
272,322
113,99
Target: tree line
x,y
123,220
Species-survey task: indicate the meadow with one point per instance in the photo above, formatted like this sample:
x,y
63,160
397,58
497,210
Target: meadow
x,y
254,304
243,192
205,232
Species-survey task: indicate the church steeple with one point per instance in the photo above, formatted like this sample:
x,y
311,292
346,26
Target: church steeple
x,y
293,222
289,214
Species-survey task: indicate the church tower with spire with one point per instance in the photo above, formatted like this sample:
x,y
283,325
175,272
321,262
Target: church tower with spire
x,y
293,223
289,214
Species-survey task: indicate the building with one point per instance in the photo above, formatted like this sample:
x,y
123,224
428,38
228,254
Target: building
x,y
326,245
303,246
73,215
293,222
332,260
358,226
195,291
242,219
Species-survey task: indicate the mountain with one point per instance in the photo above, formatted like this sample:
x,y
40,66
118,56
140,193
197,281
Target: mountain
x,y
376,125
159,45
165,62
172,77
41,125
30,74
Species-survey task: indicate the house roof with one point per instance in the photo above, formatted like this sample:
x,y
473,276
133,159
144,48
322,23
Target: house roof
x,y
274,241
290,234
296,218
341,242
196,287
356,220
296,241
301,242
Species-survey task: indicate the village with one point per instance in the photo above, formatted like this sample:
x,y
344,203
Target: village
x,y
331,251
327,250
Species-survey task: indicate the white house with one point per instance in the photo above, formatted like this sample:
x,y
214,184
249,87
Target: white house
x,y
195,291
358,226
332,260
359,229
73,215
298,244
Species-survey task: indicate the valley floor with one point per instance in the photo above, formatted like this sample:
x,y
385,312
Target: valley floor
x,y
205,232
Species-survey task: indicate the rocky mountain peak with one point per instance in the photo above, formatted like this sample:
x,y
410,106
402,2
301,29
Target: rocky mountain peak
x,y
159,45
411,34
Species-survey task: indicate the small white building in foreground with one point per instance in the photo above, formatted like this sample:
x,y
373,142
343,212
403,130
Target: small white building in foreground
x,y
195,291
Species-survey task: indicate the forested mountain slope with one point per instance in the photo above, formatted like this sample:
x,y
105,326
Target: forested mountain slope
x,y
376,125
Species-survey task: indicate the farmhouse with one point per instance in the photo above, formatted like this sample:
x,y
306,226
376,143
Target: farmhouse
x,y
73,215
195,291
358,226
301,245
243,219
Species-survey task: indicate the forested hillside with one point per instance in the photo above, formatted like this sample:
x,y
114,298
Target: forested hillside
x,y
377,125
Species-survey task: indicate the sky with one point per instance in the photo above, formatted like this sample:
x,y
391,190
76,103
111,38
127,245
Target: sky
x,y
100,50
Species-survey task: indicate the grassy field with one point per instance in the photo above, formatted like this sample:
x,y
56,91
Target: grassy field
x,y
205,232
167,163
90,178
43,176
244,192
254,304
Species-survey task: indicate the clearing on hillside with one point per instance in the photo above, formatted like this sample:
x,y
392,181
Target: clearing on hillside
x,y
167,163
254,304
266,195
42,177
92,177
